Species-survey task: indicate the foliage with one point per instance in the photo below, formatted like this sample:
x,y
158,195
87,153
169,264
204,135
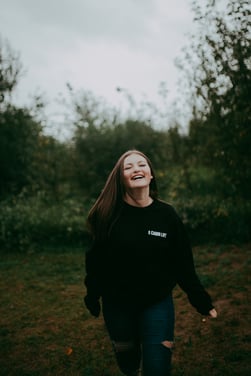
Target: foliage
x,y
218,68
41,221
28,223
210,220
10,70
19,138
47,185
97,148
54,168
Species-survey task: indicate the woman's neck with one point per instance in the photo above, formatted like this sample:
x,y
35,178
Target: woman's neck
x,y
139,199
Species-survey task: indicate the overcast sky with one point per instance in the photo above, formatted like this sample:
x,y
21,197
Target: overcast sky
x,y
97,45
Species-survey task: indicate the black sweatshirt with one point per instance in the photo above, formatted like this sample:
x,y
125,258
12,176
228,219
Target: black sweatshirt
x,y
145,256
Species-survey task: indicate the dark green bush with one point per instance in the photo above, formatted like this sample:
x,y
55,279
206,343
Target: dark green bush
x,y
37,222
211,220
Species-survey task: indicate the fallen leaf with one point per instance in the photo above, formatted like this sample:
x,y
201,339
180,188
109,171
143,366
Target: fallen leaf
x,y
69,351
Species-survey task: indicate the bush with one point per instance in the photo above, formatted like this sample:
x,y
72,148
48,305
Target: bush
x,y
39,222
211,220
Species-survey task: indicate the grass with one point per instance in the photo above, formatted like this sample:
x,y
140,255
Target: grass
x,y
45,329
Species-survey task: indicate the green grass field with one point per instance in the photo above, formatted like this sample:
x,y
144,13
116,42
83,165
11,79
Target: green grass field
x,y
46,330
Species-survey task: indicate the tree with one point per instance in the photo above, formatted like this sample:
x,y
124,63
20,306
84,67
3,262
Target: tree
x,y
98,147
101,136
19,139
10,69
19,131
218,68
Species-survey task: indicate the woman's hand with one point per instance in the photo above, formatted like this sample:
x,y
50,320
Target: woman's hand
x,y
213,313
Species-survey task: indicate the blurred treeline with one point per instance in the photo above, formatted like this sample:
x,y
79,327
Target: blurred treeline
x,y
47,185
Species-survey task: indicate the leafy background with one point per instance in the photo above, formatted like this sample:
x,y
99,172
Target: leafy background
x,y
47,186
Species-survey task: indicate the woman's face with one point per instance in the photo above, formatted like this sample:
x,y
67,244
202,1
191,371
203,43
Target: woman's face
x,y
136,172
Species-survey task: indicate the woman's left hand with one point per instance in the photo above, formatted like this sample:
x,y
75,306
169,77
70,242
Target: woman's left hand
x,y
213,313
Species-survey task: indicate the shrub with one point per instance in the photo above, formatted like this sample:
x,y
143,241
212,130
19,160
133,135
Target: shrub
x,y
211,220
39,222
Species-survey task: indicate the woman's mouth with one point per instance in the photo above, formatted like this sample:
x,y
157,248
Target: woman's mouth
x,y
137,177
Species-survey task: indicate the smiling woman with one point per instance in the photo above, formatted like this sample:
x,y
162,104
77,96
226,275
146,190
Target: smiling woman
x,y
140,252
136,179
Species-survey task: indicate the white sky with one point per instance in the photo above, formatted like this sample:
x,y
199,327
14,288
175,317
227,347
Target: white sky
x,y
97,45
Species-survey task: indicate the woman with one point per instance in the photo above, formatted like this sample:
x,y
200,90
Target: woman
x,y
140,252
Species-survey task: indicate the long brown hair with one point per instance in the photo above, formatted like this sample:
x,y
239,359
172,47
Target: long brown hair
x,y
106,209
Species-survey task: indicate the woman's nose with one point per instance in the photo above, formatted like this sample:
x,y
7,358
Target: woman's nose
x,y
136,168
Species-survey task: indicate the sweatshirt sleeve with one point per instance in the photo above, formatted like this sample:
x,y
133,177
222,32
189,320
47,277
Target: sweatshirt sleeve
x,y
187,276
92,268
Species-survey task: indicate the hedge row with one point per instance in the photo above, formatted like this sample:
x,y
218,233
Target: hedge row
x,y
36,223
211,220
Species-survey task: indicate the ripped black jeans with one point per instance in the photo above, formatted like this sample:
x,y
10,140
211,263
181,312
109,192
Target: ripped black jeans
x,y
145,335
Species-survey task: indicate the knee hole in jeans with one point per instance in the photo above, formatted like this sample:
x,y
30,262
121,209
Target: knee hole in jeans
x,y
168,344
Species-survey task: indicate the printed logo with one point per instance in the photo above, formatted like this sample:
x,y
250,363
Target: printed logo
x,y
157,233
